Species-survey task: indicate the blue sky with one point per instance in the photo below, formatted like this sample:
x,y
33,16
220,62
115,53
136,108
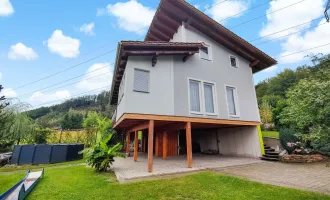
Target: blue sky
x,y
40,38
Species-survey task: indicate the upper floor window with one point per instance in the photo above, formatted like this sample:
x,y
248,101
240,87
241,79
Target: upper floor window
x,y
141,80
195,96
233,61
231,94
205,52
121,89
202,93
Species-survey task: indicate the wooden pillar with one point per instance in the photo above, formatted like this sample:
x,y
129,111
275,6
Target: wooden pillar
x,y
189,148
164,145
136,145
157,144
150,144
128,141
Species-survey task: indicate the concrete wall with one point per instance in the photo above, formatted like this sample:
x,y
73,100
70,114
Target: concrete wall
x,y
237,141
160,99
221,73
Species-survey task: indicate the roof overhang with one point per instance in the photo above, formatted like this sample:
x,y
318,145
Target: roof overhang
x,y
171,13
152,49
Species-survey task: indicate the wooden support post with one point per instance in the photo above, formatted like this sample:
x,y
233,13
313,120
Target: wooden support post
x,y
150,144
136,145
128,141
142,142
164,145
189,149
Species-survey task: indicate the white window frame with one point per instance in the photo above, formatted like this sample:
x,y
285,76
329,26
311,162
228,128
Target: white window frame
x,y
237,63
148,81
236,103
209,46
122,88
202,99
214,93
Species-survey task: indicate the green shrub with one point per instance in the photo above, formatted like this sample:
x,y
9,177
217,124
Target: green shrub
x,y
287,136
101,155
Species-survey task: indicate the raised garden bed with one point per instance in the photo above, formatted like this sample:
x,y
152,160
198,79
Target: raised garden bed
x,y
294,158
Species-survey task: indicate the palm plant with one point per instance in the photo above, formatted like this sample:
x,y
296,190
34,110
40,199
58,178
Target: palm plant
x,y
101,156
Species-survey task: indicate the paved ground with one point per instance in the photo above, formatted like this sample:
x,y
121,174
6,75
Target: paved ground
x,y
313,177
128,170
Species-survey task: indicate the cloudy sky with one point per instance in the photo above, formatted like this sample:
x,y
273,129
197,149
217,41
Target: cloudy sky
x,y
77,41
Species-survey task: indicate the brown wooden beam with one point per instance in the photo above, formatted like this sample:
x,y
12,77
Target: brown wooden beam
x,y
160,35
163,27
150,144
160,52
169,21
151,37
189,145
172,127
164,145
254,63
136,145
139,127
128,141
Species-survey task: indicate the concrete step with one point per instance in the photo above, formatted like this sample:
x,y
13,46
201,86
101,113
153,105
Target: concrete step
x,y
269,150
272,152
269,159
271,155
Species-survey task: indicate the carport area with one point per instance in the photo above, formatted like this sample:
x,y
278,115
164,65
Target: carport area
x,y
169,142
129,170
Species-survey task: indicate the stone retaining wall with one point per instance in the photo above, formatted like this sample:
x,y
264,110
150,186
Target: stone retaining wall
x,y
293,158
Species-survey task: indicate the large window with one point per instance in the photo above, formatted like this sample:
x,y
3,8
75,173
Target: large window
x,y
205,52
232,101
195,96
141,80
209,98
202,93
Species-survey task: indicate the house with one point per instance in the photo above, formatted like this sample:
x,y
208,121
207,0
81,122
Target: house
x,y
188,87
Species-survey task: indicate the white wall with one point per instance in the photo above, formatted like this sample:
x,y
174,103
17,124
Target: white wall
x,y
218,71
160,99
237,141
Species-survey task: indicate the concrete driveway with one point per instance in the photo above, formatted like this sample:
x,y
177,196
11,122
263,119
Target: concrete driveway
x,y
314,177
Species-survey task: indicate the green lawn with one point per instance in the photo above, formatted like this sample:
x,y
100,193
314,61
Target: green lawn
x,y
79,182
273,134
11,168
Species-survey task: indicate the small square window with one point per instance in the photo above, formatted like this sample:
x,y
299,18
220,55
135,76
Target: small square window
x,y
233,61
205,52
141,81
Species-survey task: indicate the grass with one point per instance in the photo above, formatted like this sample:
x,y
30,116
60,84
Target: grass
x,y
79,182
272,134
13,168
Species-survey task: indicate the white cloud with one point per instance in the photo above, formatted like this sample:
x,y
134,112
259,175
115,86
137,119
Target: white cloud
x,y
21,52
6,8
40,98
65,46
131,15
196,6
224,9
87,29
102,74
270,69
291,16
8,93
300,42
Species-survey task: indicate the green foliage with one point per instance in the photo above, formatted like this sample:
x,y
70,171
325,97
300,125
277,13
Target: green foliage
x,y
101,155
265,112
40,136
72,120
287,136
50,120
